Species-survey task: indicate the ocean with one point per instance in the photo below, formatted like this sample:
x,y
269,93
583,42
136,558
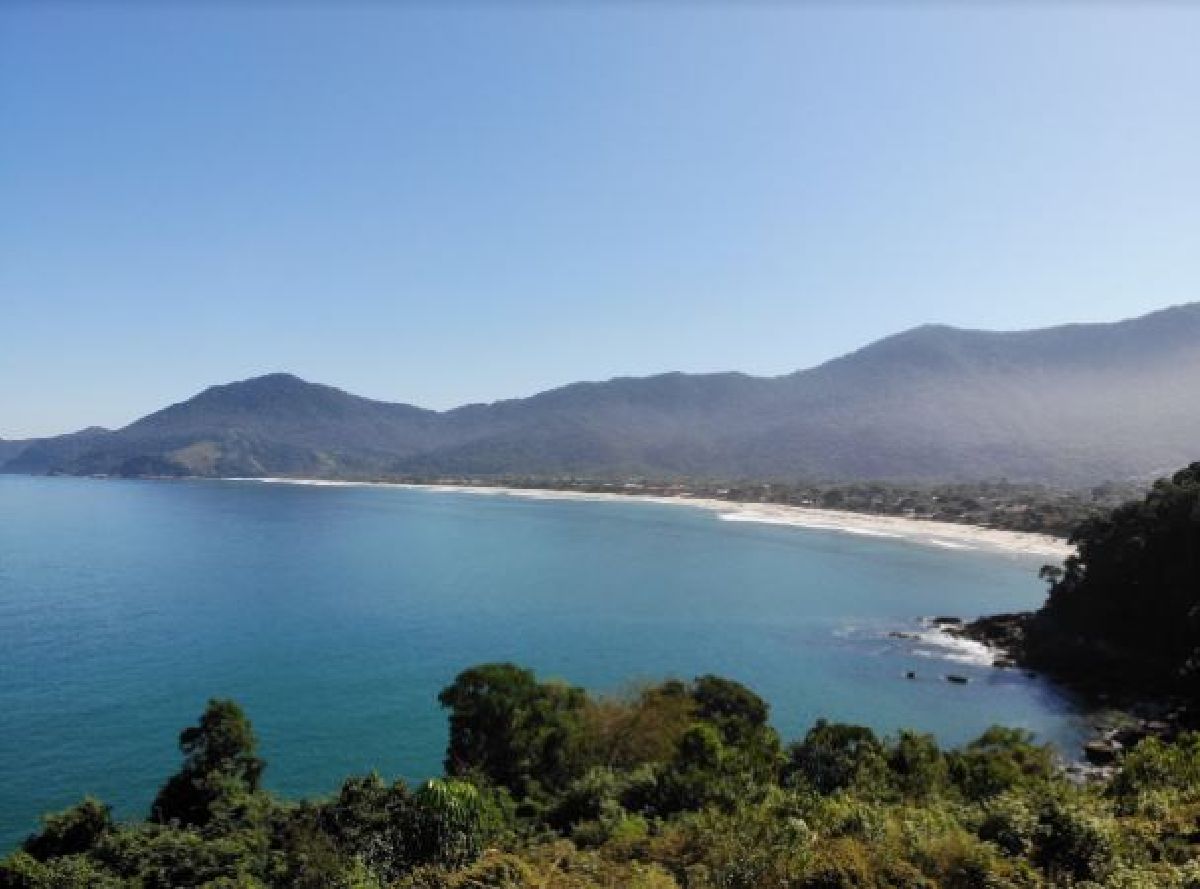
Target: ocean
x,y
334,615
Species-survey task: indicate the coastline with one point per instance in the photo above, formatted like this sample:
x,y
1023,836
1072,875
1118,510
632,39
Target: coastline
x,y
945,535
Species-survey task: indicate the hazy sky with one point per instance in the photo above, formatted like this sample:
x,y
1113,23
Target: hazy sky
x,y
441,205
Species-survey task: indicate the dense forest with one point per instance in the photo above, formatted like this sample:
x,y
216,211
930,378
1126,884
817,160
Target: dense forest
x,y
1123,614
676,785
1129,601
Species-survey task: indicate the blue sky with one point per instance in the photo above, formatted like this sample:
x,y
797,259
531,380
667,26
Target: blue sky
x,y
441,204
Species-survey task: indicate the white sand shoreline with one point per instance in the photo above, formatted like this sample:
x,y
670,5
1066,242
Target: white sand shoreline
x,y
947,535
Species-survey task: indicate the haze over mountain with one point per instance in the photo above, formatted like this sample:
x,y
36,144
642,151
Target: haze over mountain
x,y
1071,404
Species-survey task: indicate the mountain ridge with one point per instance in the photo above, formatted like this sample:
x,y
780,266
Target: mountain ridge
x,y
1074,403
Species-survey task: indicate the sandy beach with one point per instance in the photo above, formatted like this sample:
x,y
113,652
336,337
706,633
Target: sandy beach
x,y
947,535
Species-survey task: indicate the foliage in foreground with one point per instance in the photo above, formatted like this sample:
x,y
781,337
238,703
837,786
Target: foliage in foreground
x,y
676,786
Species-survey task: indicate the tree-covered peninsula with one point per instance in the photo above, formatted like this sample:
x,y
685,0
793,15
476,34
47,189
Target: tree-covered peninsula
x,y
1123,615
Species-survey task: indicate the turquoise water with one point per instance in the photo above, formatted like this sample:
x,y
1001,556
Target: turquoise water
x,y
335,614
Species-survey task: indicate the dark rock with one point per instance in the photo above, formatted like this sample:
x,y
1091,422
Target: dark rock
x,y
1102,752
1130,736
1006,631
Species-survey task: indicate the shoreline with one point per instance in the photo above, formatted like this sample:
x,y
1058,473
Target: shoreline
x,y
927,532
1119,717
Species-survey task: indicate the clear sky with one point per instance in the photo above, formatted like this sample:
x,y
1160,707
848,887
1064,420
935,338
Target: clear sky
x,y
441,204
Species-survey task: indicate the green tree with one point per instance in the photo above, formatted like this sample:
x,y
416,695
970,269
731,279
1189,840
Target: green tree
x,y
832,756
448,824
999,760
71,831
917,764
741,717
1156,767
220,763
511,729
1073,844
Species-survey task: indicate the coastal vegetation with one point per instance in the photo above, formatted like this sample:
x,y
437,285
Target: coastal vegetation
x,y
1009,506
678,784
1123,614
1128,603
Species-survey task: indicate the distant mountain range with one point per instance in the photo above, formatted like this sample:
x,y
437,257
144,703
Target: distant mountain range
x,y
1073,404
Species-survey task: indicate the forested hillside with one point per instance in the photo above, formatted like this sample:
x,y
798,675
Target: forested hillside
x,y
1123,613
1078,404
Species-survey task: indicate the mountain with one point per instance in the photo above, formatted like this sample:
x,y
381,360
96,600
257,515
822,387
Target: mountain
x,y
10,448
1071,404
41,455
271,424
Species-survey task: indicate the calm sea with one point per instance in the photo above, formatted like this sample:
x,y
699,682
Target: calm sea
x,y
334,615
